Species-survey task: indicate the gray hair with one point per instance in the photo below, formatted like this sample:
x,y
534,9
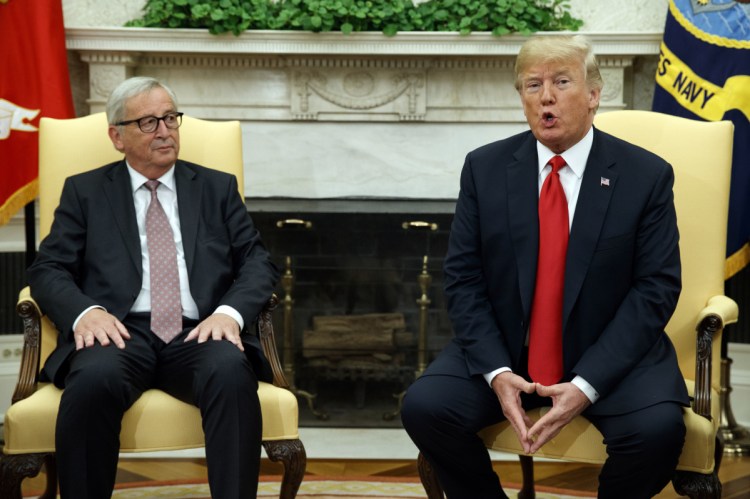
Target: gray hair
x,y
559,48
129,89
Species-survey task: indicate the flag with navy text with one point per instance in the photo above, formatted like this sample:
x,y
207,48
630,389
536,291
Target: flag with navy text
x,y
34,82
704,73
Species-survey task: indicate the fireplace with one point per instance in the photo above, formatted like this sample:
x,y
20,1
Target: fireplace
x,y
367,278
346,138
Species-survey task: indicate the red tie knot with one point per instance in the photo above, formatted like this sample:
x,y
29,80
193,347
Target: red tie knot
x,y
557,162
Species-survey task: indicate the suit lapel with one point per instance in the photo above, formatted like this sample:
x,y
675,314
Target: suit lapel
x,y
588,220
189,190
119,194
523,217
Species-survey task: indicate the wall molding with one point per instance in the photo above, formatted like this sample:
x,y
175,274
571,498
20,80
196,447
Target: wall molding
x,y
10,363
739,378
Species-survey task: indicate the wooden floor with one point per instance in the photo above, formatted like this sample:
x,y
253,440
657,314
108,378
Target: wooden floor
x,y
734,473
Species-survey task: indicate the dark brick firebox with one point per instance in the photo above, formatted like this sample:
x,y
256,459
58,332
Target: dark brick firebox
x,y
356,257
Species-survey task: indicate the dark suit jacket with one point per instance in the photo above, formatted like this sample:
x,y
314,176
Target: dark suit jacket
x,y
92,255
622,276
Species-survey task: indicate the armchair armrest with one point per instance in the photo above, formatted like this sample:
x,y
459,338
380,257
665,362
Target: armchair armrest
x,y
31,316
268,342
718,312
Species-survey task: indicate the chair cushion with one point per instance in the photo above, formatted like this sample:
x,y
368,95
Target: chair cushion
x,y
156,421
580,441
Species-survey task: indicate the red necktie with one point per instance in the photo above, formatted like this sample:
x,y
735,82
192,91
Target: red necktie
x,y
166,307
545,342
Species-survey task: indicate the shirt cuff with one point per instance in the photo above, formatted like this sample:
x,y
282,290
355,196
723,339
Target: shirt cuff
x,y
231,312
586,388
75,323
490,376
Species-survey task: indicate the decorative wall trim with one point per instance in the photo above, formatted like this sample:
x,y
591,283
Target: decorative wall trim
x,y
740,382
10,363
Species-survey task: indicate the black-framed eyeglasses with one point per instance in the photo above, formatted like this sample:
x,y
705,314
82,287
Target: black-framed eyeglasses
x,y
149,124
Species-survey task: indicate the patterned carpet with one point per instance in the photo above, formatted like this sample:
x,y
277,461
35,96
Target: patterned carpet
x,y
315,487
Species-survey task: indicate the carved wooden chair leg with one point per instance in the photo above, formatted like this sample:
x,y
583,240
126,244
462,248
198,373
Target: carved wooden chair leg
x,y
292,455
50,467
698,485
527,470
429,479
13,470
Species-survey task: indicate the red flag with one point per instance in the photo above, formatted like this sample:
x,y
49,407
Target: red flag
x,y
34,82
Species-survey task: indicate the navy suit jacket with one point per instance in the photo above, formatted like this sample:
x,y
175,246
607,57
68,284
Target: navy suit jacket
x,y
92,255
622,275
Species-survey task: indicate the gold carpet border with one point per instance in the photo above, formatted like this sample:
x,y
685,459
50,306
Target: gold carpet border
x,y
317,488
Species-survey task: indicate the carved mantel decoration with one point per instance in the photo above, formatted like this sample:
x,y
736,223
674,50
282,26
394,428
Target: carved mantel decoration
x,y
317,103
350,90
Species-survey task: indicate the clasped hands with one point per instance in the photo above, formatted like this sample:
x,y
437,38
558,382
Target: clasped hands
x,y
568,401
99,325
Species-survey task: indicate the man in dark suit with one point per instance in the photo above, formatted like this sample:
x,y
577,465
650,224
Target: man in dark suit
x,y
96,277
619,280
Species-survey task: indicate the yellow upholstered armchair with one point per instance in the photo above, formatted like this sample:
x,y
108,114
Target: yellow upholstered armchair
x,y
156,421
701,154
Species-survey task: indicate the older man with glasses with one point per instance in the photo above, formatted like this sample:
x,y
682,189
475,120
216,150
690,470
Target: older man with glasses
x,y
138,308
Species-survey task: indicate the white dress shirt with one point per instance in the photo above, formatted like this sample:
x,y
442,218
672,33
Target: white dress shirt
x,y
570,178
167,195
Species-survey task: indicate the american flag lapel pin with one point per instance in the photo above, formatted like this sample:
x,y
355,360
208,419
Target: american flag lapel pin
x,y
604,182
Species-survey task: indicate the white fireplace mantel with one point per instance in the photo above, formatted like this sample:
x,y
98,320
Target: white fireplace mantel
x,y
328,115
195,41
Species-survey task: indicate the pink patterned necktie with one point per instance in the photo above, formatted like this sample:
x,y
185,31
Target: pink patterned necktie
x,y
545,341
166,307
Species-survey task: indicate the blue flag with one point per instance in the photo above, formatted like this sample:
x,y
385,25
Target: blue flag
x,y
704,73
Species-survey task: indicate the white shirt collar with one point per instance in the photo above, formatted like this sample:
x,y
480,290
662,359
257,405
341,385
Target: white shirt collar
x,y
575,157
137,180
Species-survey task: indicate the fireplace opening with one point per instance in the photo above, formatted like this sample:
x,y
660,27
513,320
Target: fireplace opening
x,y
361,307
